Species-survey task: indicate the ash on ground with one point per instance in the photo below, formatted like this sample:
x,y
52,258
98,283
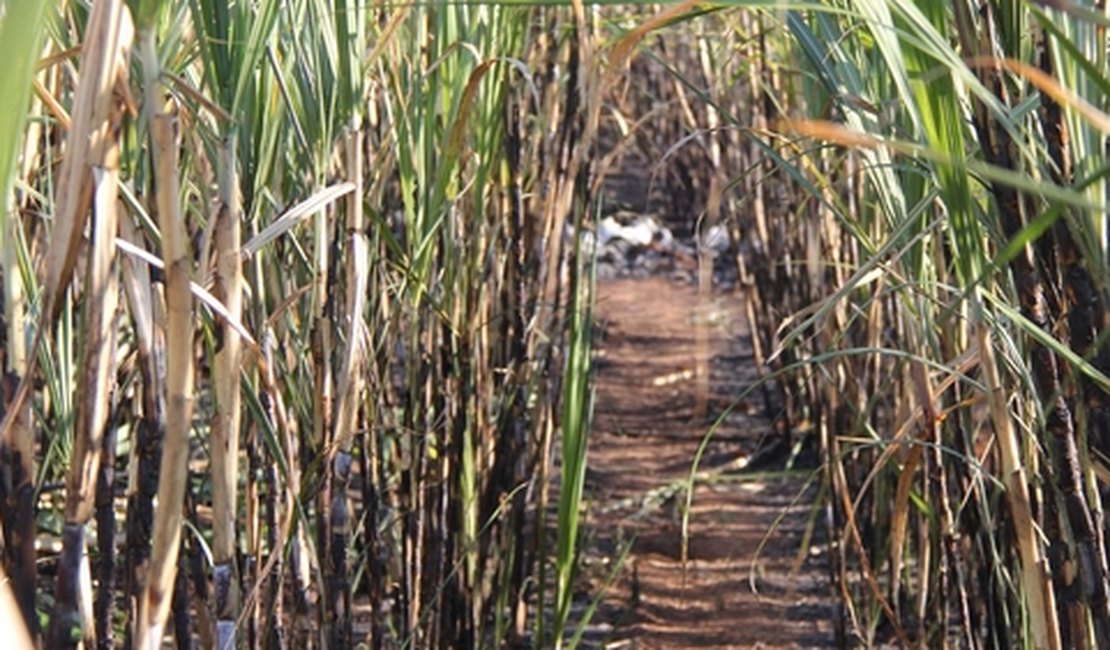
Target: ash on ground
x,y
634,245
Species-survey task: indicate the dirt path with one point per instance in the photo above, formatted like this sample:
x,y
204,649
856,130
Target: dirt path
x,y
644,438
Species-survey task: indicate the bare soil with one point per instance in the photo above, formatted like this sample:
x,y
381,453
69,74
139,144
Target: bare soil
x,y
747,580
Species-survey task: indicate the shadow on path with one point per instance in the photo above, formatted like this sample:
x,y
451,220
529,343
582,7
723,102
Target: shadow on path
x,y
644,439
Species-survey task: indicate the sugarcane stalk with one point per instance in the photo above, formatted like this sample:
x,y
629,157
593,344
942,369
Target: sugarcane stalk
x,y
1084,310
1034,567
73,604
1083,302
1047,373
155,601
92,160
225,425
146,439
323,396
350,386
106,541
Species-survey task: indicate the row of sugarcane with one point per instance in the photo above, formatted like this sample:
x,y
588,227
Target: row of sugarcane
x,y
301,304
934,303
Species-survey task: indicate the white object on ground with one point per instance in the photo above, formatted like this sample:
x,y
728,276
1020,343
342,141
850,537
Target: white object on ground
x,y
640,232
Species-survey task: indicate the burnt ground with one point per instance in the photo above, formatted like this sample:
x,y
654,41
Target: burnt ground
x,y
752,578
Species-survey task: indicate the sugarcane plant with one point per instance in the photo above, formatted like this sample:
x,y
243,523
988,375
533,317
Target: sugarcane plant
x,y
295,325
959,337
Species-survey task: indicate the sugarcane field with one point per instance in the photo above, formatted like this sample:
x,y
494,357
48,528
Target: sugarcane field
x,y
571,324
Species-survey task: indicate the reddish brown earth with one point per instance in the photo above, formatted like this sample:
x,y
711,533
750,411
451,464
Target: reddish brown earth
x,y
745,583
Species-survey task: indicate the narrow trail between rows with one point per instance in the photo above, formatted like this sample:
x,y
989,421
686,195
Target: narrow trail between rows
x,y
646,433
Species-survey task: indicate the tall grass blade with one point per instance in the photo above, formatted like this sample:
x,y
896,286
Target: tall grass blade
x,y
577,410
